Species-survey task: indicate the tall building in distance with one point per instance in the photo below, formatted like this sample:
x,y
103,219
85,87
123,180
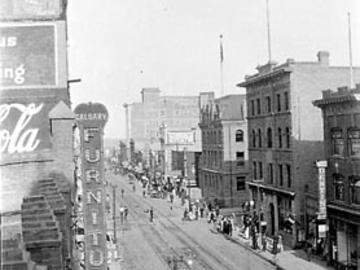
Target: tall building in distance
x,y
285,139
154,110
224,162
341,118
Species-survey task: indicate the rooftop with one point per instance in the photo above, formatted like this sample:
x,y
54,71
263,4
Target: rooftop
x,y
343,94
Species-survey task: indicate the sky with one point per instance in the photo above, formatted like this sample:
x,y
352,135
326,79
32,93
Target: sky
x,y
118,47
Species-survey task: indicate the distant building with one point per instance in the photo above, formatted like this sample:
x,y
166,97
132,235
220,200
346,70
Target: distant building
x,y
224,166
285,139
341,118
154,110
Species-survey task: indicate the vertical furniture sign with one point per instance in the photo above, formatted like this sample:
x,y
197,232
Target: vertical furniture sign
x,y
321,166
92,118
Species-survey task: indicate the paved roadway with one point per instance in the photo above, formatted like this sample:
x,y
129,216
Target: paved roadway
x,y
146,245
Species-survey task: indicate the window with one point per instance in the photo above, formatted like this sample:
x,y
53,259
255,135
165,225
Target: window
x,y
354,142
281,176
269,138
288,174
287,137
271,173
220,137
286,96
239,135
260,170
268,104
355,189
258,105
240,183
338,187
240,159
253,138
254,170
259,138
252,107
279,138
337,141
278,99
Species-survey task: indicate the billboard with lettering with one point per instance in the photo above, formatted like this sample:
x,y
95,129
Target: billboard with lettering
x,y
91,118
34,9
33,55
180,137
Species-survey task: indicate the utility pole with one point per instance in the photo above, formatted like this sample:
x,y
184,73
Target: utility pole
x,y
114,211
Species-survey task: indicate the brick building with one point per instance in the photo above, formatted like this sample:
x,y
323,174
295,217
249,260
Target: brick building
x,y
224,166
341,118
285,141
36,161
154,110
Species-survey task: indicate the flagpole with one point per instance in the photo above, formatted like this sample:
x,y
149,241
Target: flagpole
x,y
350,53
221,66
268,29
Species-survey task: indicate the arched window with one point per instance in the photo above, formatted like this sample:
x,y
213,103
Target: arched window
x,y
239,135
354,141
287,137
259,138
253,138
269,138
355,188
338,186
337,141
279,138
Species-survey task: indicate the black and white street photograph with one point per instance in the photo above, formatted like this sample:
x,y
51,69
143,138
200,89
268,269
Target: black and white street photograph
x,y
180,135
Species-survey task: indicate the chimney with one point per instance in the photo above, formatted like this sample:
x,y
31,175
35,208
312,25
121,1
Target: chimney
x,y
323,58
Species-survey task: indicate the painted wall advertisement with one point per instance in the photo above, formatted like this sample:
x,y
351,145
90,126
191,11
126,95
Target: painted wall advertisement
x,y
25,9
32,55
92,118
24,127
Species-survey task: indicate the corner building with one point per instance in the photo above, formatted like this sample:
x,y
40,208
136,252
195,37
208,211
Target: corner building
x,y
285,140
224,166
341,116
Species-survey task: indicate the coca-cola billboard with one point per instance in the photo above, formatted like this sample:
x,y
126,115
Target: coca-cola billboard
x,y
24,127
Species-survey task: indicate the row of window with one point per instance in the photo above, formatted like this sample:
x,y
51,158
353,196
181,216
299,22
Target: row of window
x,y
259,106
215,158
257,138
215,137
283,173
353,185
352,141
214,181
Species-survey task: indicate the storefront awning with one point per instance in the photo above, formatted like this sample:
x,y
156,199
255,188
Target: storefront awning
x,y
271,188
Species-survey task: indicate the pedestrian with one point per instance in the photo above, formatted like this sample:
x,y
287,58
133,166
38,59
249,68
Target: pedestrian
x,y
122,210
308,251
122,193
151,214
171,197
126,211
201,211
144,193
134,187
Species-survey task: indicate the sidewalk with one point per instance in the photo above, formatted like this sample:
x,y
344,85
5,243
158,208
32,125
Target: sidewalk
x,y
287,259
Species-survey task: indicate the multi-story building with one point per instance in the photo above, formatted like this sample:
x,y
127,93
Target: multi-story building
x,y
36,155
224,166
341,118
285,139
146,117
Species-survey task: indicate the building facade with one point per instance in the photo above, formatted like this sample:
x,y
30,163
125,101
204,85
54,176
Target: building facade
x,y
224,162
154,110
36,152
285,141
341,117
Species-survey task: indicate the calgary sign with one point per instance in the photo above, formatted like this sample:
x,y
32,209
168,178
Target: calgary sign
x,y
91,119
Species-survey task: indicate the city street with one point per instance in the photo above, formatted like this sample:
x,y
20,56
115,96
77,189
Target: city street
x,y
146,245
